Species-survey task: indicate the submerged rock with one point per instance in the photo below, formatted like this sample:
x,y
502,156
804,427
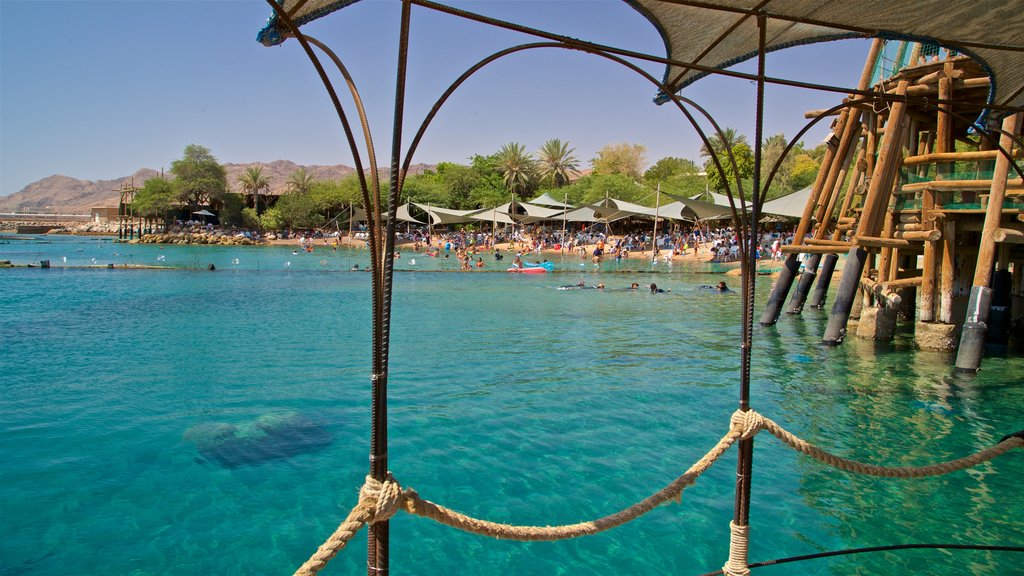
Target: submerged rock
x,y
269,437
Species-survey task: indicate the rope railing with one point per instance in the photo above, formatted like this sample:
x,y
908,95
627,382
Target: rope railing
x,y
379,501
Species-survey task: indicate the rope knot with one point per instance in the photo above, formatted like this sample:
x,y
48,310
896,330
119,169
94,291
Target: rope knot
x,y
382,499
747,423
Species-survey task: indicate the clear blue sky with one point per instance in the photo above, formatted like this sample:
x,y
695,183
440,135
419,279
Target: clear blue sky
x,y
97,89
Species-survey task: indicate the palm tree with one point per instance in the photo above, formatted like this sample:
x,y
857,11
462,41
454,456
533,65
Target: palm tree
x,y
253,182
728,140
300,181
517,167
771,151
557,162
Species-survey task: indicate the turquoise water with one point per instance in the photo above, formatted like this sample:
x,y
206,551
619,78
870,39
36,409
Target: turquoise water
x,y
510,400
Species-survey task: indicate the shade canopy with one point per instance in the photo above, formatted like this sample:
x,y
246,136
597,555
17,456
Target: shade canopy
x,y
535,213
447,216
721,33
545,199
791,205
497,214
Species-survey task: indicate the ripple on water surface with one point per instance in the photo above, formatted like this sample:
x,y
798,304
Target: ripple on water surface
x,y
510,400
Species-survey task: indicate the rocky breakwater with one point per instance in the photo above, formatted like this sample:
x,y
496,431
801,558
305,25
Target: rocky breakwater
x,y
216,237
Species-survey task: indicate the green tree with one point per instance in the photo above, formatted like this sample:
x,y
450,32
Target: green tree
x,y
804,171
250,219
331,197
518,168
426,188
668,167
271,219
300,181
198,178
156,198
489,189
299,210
626,159
231,211
771,151
253,182
727,140
744,162
458,182
557,163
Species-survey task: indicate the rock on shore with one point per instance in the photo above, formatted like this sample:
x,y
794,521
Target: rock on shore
x,y
185,237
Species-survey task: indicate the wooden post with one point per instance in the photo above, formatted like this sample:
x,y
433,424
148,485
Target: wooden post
x,y
926,304
826,189
947,271
885,263
877,196
972,337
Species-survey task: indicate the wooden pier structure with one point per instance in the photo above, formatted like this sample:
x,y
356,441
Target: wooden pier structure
x,y
922,190
126,217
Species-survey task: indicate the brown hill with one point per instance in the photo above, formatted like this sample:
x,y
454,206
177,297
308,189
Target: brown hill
x,y
66,195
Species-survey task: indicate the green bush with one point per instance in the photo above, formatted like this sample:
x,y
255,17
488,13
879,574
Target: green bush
x,y
271,220
250,219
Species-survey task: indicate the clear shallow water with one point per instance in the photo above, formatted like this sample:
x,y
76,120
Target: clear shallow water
x,y
510,400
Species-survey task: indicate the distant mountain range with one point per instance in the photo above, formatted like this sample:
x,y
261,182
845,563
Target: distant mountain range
x,y
66,195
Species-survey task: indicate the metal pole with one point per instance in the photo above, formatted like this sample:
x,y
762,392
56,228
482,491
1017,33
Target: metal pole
x,y
745,457
565,208
377,540
657,212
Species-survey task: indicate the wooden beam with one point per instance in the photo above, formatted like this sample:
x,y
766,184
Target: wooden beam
x,y
1008,235
961,185
919,235
958,156
881,291
878,242
827,242
791,249
986,250
969,84
884,175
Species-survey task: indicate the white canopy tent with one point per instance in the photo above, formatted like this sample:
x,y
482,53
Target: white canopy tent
x,y
447,216
497,214
790,205
535,213
545,199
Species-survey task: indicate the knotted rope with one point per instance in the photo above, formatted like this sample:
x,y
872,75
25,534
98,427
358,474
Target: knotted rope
x,y
801,445
379,501
737,563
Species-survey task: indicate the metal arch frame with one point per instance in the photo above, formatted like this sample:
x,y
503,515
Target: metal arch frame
x,y
745,221
678,100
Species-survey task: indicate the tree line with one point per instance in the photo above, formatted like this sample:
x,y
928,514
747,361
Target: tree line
x,y
512,173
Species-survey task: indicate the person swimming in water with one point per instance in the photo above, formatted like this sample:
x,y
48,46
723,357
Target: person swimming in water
x,y
656,290
634,286
722,287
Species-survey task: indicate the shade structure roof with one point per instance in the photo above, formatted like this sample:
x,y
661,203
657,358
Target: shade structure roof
x,y
496,214
791,205
446,215
401,214
545,199
535,213
720,33
703,210
592,213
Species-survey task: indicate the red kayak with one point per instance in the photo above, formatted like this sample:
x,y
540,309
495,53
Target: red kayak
x,y
537,270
